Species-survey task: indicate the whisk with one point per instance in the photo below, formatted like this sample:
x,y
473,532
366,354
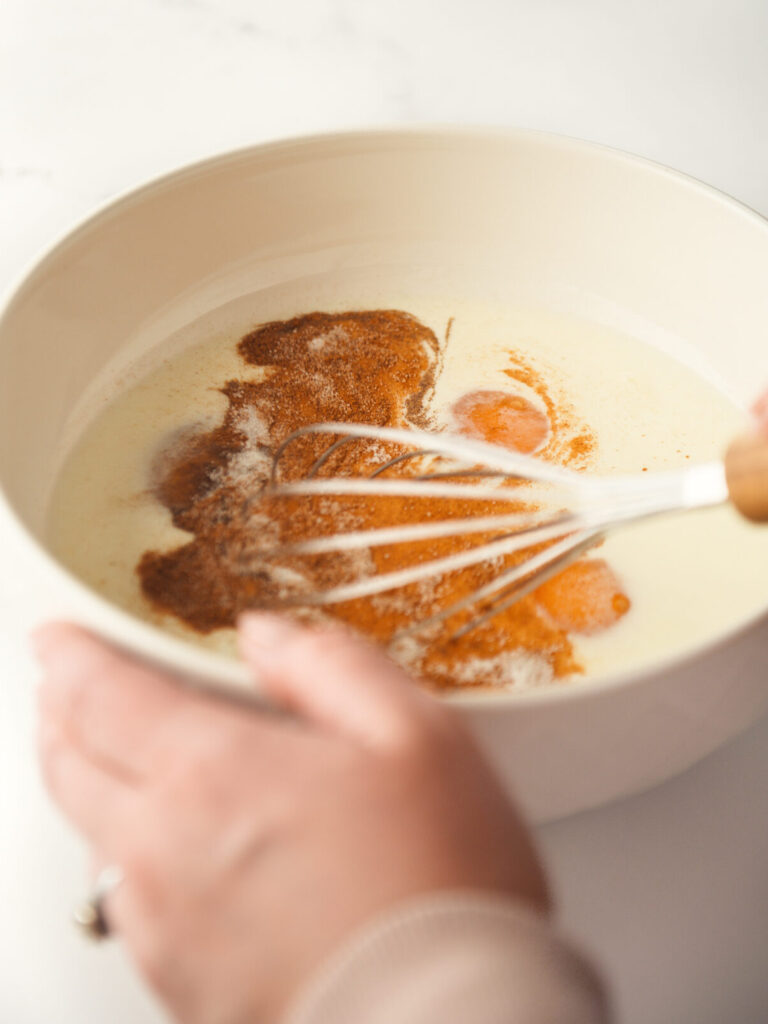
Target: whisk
x,y
569,512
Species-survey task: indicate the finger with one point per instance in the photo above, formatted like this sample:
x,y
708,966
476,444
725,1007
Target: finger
x,y
90,796
107,702
330,676
140,721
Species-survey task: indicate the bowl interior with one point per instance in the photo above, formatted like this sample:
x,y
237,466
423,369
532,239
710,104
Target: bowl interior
x,y
515,217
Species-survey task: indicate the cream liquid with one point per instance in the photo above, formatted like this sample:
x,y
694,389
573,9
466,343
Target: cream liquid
x,y
688,576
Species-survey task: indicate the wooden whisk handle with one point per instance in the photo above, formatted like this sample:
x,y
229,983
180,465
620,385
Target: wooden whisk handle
x,y
746,471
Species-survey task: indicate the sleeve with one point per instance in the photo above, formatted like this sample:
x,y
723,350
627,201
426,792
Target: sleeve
x,y
457,958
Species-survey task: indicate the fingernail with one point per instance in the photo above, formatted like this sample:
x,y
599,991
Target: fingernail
x,y
265,633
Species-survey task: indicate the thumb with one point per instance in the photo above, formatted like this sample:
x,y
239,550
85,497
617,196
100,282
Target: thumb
x,y
331,677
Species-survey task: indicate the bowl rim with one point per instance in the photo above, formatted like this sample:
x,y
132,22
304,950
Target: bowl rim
x,y
221,672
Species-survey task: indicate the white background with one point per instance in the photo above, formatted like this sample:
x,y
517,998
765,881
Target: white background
x,y
669,889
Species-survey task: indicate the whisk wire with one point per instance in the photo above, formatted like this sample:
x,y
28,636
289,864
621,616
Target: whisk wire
x,y
540,569
471,452
577,510
557,557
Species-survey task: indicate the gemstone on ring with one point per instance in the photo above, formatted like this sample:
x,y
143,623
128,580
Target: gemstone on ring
x,y
89,915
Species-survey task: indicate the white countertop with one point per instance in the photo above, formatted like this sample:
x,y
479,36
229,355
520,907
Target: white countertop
x,y
670,889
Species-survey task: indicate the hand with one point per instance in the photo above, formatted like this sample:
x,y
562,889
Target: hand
x,y
252,844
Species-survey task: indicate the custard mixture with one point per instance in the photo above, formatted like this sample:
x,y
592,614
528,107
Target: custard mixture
x,y
164,503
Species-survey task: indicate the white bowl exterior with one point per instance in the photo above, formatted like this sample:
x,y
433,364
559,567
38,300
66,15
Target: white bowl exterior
x,y
568,225
560,757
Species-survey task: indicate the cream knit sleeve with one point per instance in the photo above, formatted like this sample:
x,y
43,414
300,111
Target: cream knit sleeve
x,y
459,958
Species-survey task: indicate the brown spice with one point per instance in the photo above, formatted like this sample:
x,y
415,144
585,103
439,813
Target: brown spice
x,y
374,367
568,442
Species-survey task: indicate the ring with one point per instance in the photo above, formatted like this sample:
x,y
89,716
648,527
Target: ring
x,y
89,916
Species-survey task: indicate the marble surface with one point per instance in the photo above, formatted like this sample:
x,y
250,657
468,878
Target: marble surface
x,y
670,889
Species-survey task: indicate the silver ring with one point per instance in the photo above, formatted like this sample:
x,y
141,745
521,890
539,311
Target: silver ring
x,y
89,916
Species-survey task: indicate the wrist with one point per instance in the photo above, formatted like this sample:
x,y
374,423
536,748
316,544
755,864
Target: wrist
x,y
474,955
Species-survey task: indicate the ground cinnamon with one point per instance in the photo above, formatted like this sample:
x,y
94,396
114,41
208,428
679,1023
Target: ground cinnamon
x,y
374,367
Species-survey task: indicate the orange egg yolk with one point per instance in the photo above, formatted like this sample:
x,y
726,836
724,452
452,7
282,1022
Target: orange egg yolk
x,y
584,598
503,419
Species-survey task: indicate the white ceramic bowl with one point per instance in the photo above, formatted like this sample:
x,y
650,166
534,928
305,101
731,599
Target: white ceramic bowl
x,y
531,218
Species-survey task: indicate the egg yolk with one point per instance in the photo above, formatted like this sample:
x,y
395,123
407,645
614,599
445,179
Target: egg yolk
x,y
501,418
584,598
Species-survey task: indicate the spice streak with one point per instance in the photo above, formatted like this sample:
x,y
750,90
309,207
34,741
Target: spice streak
x,y
374,367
